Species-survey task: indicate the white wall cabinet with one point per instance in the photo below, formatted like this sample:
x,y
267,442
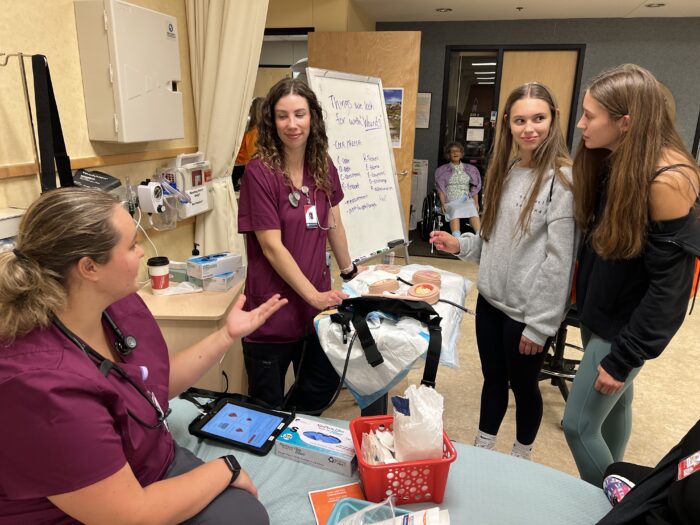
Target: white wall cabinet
x,y
130,62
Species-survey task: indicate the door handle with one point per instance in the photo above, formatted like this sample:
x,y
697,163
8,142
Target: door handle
x,y
403,174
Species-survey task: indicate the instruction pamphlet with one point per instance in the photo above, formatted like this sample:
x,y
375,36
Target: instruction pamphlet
x,y
323,501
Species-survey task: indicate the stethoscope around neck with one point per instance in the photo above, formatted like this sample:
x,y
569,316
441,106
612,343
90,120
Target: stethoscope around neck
x,y
295,198
124,345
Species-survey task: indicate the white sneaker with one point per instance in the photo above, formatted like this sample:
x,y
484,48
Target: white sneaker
x,y
521,451
484,440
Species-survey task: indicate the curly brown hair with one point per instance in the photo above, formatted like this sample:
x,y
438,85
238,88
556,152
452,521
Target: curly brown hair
x,y
270,147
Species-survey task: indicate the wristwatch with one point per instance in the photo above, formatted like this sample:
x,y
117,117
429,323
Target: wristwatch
x,y
349,275
233,466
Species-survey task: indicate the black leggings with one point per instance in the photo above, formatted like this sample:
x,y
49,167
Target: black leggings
x,y
267,364
498,338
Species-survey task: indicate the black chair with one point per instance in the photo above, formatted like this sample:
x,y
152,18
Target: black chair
x,y
431,218
556,367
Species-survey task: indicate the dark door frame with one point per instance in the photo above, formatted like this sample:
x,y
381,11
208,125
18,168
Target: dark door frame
x,y
696,142
581,48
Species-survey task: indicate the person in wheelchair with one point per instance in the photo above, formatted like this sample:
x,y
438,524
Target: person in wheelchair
x,y
458,186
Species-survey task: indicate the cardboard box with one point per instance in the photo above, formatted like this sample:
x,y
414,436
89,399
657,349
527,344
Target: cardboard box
x,y
9,221
210,265
318,444
178,271
221,282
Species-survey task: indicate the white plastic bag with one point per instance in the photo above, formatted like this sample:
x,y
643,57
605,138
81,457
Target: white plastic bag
x,y
419,435
400,342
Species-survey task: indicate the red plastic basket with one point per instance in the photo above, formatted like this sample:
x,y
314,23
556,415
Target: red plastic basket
x,y
407,481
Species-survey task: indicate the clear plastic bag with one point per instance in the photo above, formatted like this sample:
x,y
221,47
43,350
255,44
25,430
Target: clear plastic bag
x,y
419,435
374,513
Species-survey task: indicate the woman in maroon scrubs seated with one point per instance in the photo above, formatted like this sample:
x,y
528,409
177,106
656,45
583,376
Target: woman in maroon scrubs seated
x,y
85,379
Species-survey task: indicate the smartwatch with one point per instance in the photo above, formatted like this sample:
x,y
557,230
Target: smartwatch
x,y
350,274
233,466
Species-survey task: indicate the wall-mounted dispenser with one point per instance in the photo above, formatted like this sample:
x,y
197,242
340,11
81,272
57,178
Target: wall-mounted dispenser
x,y
130,62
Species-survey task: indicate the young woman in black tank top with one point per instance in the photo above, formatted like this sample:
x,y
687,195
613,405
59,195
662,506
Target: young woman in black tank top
x,y
635,185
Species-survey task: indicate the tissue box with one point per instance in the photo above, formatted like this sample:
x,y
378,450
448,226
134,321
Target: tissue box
x,y
178,272
319,445
221,282
210,265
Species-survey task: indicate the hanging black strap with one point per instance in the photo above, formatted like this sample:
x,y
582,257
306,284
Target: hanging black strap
x,y
432,358
51,144
357,309
374,358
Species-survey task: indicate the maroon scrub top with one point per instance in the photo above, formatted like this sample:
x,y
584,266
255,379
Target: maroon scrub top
x,y
65,425
264,205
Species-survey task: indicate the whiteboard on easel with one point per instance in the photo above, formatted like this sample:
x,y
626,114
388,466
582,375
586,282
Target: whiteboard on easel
x,y
360,146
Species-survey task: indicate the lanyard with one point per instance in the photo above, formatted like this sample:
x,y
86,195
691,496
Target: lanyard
x,y
106,366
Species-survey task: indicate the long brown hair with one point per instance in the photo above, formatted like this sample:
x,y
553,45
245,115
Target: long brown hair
x,y
58,229
270,147
254,113
551,154
620,232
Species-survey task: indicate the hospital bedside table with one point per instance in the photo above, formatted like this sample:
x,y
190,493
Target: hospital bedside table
x,y
188,318
483,487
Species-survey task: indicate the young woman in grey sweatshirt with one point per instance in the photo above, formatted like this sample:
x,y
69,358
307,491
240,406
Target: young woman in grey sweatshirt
x,y
525,252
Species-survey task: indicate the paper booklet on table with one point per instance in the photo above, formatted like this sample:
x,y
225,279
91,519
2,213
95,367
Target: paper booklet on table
x,y
323,501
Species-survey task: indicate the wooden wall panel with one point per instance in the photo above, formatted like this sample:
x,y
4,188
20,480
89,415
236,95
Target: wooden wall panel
x,y
268,77
555,69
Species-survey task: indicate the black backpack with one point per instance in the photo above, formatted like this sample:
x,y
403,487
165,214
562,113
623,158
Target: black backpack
x,y
355,311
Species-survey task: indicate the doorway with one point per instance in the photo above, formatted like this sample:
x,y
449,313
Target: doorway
x,y
470,104
477,81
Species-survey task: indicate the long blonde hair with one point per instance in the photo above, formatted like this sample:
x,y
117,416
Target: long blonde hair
x,y
551,154
621,231
58,229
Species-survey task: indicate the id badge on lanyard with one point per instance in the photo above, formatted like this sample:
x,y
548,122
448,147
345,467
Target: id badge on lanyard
x,y
311,216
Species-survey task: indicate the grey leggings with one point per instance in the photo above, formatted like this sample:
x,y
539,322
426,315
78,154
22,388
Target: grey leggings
x,y
233,506
597,427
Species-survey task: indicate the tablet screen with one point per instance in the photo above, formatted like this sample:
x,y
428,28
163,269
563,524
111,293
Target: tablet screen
x,y
238,423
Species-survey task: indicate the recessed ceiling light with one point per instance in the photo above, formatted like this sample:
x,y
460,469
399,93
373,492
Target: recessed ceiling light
x,y
654,5
483,63
443,9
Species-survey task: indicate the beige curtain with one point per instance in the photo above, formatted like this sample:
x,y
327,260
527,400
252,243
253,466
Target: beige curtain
x,y
225,41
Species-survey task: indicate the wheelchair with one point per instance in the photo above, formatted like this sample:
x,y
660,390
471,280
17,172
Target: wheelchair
x,y
557,368
432,218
